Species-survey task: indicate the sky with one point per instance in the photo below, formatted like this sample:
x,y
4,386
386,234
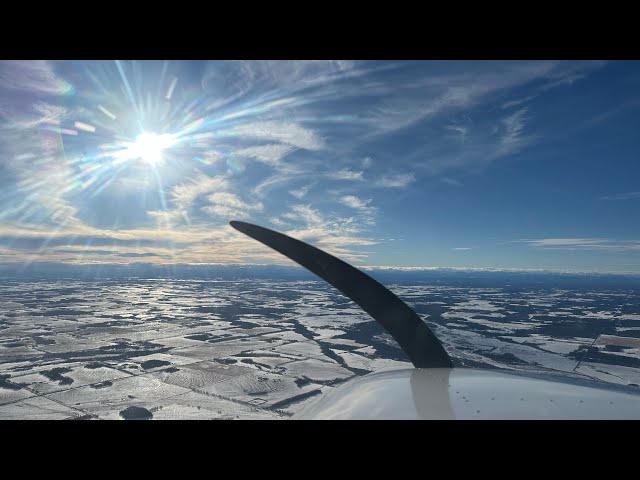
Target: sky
x,y
509,165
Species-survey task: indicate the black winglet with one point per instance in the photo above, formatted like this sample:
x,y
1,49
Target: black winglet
x,y
405,326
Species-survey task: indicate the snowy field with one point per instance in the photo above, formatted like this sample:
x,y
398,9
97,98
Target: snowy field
x,y
260,349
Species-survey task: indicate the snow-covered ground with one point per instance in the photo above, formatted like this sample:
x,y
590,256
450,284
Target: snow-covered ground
x,y
263,349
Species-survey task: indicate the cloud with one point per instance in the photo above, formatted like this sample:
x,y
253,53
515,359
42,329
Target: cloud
x,y
461,248
269,154
567,73
395,180
516,102
27,89
279,222
34,76
603,244
355,202
447,89
229,205
346,174
331,233
183,197
230,80
306,214
300,192
41,113
90,251
270,183
452,181
513,138
34,240
41,177
552,242
460,131
190,245
366,212
290,133
491,139
622,196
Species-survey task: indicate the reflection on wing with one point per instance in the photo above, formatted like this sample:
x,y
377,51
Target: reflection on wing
x,y
407,328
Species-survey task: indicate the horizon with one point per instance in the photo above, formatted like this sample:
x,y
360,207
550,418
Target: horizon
x,y
469,277
505,166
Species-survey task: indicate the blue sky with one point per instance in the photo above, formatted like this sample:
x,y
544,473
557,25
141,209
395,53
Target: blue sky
x,y
481,164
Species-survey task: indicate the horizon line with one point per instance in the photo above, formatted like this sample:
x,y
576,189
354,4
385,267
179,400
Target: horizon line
x,y
25,266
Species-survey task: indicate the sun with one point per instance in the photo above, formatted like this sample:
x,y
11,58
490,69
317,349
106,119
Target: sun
x,y
150,147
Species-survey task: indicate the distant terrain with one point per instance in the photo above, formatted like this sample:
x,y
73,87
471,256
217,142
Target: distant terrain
x,y
261,343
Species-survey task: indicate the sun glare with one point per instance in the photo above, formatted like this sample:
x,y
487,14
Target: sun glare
x,y
150,147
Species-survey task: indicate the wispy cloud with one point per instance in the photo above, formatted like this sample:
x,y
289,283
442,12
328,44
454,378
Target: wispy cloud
x,y
513,138
80,252
584,244
183,197
290,133
193,245
346,174
338,235
517,102
272,182
460,131
184,194
461,249
269,154
554,242
306,214
229,205
452,181
395,180
492,139
301,192
355,202
622,196
41,179
230,80
427,97
41,113
365,209
32,76
28,90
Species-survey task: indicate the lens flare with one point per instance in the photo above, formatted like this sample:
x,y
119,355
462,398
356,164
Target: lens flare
x,y
150,147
